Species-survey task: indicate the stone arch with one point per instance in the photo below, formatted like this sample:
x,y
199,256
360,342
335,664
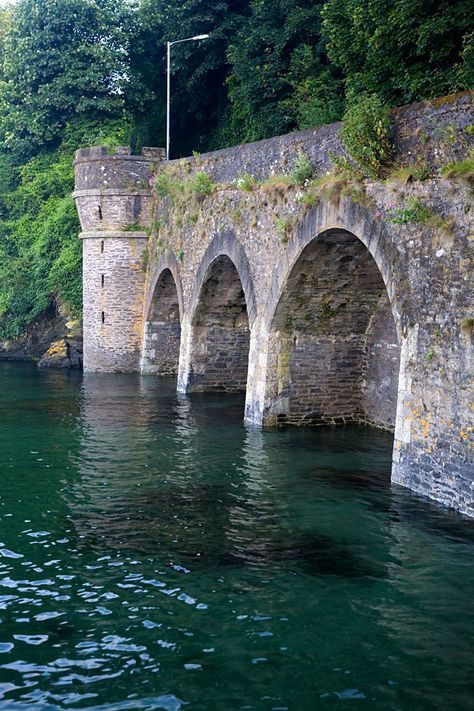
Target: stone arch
x,y
226,244
162,329
359,221
335,324
220,323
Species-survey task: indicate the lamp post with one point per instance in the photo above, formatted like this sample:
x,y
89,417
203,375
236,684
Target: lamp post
x,y
168,84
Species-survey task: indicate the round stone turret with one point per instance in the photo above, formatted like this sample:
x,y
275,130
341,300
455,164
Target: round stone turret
x,y
114,200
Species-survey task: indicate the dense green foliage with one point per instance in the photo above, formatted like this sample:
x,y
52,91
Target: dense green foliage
x,y
40,253
402,50
280,77
271,66
62,58
78,72
199,70
62,79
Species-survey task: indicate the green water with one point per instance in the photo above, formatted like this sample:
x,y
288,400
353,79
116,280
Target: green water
x,y
156,554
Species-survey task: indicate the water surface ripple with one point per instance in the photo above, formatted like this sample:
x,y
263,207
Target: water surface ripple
x,y
156,554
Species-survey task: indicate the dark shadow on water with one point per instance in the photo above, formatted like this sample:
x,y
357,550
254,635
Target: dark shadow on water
x,y
194,527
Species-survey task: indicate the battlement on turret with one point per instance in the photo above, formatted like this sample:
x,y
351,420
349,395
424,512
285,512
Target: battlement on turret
x,y
103,168
113,187
104,152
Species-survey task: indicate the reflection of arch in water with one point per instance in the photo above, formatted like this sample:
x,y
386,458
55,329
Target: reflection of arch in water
x,y
255,514
333,343
162,331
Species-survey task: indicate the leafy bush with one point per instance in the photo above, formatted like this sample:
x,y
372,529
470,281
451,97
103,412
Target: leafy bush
x,y
202,185
365,133
302,170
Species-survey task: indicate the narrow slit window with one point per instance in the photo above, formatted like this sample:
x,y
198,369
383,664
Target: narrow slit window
x,y
103,316
101,245
102,280
100,212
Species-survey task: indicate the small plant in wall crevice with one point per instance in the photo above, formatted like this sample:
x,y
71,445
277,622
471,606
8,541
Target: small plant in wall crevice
x,y
326,311
285,226
245,182
302,171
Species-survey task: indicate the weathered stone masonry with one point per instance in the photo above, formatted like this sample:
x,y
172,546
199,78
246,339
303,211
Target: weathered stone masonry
x,y
350,317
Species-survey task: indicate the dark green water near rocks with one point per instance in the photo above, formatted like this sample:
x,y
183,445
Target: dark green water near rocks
x,y
156,554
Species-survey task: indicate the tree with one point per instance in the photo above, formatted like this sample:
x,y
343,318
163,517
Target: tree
x,y
40,253
281,78
199,70
5,29
62,59
403,50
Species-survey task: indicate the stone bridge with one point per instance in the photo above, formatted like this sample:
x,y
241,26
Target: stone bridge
x,y
351,301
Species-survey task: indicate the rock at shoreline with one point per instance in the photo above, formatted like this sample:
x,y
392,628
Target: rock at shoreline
x,y
52,342
64,353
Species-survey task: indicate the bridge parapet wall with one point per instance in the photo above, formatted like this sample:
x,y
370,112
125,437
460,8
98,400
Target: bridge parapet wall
x,y
434,131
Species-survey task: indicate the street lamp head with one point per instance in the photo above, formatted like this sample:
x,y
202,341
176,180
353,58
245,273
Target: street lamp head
x,y
200,37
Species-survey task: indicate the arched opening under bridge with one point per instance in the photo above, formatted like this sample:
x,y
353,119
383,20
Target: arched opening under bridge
x,y
221,334
162,334
334,351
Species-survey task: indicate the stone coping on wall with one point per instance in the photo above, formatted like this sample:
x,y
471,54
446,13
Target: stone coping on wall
x,y
113,234
119,192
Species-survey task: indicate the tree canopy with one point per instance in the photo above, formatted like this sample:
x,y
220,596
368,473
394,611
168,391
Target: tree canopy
x,y
77,72
62,59
402,50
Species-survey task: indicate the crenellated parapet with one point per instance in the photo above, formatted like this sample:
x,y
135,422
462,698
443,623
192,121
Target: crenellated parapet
x,y
112,190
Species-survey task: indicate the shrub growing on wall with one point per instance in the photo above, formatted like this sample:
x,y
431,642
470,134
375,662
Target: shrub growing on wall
x,y
365,134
